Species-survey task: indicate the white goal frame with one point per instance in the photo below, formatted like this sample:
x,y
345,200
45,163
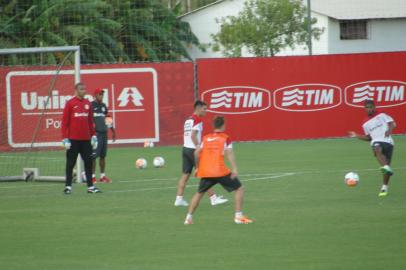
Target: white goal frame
x,y
76,51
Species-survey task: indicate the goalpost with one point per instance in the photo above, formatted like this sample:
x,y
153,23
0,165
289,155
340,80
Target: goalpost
x,y
35,87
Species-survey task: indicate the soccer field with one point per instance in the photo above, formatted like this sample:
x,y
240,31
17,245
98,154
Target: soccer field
x,y
305,217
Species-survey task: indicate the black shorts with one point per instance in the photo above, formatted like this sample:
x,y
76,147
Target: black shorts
x,y
387,149
101,150
188,160
226,182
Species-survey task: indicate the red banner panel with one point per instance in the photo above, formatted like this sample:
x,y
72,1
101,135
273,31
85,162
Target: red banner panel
x,y
146,102
302,97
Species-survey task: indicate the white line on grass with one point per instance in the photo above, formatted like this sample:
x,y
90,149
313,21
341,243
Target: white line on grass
x,y
33,157
242,175
139,181
188,186
175,178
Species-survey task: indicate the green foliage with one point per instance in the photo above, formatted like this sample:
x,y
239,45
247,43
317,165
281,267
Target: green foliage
x,y
108,31
264,28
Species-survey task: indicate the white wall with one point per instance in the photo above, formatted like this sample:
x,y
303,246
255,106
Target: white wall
x,y
203,24
383,35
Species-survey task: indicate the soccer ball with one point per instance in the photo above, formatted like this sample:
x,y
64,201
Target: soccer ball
x,y
148,144
141,163
159,162
351,179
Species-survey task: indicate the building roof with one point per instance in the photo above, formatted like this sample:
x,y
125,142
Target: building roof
x,y
201,8
360,9
347,9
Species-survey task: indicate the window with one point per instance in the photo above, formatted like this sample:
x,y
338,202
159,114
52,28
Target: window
x,y
353,29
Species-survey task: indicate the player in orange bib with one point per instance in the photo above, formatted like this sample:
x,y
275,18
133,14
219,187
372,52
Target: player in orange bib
x,y
211,168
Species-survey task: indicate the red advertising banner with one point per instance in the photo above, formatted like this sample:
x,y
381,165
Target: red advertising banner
x,y
302,97
146,102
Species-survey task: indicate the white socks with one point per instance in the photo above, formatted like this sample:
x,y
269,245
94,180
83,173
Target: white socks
x,y
238,214
189,216
387,167
179,198
213,197
384,187
102,175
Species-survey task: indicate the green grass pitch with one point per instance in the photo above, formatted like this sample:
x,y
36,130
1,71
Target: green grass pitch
x,y
305,217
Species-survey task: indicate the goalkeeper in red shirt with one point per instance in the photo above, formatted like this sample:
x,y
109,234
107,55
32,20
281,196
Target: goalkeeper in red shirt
x,y
78,136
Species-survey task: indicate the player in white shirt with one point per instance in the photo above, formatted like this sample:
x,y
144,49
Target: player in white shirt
x,y
192,136
378,128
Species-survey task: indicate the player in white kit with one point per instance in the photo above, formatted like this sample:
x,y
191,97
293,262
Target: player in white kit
x,y
378,128
192,136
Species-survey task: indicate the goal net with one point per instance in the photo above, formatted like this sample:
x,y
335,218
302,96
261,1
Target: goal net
x,y
34,87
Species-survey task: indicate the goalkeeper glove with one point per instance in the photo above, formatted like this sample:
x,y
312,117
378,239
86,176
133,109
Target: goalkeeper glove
x,y
66,143
93,142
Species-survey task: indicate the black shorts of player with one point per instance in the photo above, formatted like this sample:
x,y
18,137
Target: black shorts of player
x,y
226,182
387,149
101,150
188,160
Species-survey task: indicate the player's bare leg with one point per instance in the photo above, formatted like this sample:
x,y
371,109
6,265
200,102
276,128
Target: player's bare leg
x,y
386,170
239,218
181,190
384,189
239,198
386,178
182,184
102,166
380,156
192,207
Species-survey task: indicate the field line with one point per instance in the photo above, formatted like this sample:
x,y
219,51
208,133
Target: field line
x,y
188,186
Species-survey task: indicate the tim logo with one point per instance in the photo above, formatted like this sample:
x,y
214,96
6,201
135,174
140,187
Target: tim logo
x,y
130,95
385,93
237,99
307,97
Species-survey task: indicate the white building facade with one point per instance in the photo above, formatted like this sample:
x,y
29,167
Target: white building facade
x,y
350,26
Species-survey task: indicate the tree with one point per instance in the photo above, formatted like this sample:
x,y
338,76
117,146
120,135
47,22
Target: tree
x,y
108,31
43,23
264,28
152,32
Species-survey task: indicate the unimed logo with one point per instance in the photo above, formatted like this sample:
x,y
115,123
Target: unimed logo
x,y
131,95
307,97
385,93
237,99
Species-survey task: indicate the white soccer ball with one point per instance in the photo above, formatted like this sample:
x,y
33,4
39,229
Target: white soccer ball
x,y
141,163
351,179
159,162
148,144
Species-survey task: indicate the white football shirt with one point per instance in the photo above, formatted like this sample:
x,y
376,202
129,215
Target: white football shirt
x,y
376,126
192,123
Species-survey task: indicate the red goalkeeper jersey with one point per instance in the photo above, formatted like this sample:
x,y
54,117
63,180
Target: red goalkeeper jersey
x,y
77,120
